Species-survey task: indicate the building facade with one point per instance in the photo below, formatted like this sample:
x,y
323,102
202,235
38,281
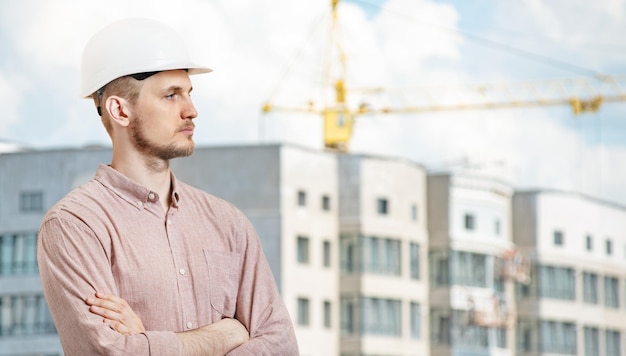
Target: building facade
x,y
576,302
372,255
472,305
30,183
383,250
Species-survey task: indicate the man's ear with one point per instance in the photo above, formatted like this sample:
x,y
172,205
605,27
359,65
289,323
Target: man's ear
x,y
118,109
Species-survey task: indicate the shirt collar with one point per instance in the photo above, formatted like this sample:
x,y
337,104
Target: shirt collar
x,y
129,190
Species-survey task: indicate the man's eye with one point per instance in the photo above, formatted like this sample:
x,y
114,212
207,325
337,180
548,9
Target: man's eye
x,y
170,96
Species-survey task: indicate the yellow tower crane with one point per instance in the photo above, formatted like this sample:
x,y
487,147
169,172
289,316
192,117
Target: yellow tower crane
x,y
581,94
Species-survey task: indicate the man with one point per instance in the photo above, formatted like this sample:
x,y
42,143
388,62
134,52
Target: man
x,y
170,270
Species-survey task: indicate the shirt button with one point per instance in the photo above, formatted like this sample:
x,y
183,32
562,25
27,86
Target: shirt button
x,y
181,271
189,325
140,204
151,196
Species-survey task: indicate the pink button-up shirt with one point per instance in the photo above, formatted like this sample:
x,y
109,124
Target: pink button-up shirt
x,y
191,266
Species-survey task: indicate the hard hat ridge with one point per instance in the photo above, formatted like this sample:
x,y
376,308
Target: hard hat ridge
x,y
132,46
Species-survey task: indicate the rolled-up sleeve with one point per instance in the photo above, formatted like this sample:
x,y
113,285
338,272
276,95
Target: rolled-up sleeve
x,y
73,265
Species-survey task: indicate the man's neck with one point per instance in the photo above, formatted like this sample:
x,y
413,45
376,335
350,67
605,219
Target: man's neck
x,y
153,173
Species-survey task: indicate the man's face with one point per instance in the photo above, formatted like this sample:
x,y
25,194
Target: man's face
x,y
162,126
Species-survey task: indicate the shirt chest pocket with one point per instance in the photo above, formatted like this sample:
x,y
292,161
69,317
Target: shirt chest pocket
x,y
223,286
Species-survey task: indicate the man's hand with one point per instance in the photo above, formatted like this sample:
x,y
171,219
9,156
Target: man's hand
x,y
116,313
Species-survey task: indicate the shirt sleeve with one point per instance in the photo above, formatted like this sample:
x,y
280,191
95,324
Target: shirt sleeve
x,y
73,265
259,305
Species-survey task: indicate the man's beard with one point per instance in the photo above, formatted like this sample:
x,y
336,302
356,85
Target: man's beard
x,y
148,148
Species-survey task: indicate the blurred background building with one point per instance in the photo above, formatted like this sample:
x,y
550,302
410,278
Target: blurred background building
x,y
372,255
472,303
575,303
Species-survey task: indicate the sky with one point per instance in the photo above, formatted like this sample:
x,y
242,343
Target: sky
x,y
279,50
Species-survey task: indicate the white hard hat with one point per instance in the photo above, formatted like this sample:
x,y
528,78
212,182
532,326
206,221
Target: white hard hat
x,y
132,46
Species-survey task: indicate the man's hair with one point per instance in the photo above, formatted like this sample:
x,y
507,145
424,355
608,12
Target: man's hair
x,y
126,87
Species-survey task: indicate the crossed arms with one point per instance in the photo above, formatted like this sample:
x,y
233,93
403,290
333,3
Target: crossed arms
x,y
214,339
74,264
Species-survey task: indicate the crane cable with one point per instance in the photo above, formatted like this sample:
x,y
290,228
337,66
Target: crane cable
x,y
500,46
286,69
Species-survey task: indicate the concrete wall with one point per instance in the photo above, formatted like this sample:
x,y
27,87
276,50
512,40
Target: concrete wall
x,y
489,201
438,199
349,187
524,220
315,174
54,173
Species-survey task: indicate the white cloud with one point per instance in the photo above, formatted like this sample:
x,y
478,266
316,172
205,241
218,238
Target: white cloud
x,y
580,32
250,45
11,88
414,32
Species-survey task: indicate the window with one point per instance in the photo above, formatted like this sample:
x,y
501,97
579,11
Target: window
x,y
25,315
327,253
414,256
592,341
498,285
18,254
609,247
303,250
382,206
347,315
439,268
611,292
524,335
416,321
301,198
526,340
612,340
589,243
557,337
470,223
522,290
347,254
441,328
381,316
327,314
450,327
590,288
556,282
501,340
325,203
380,255
468,269
414,212
558,238
303,311
31,202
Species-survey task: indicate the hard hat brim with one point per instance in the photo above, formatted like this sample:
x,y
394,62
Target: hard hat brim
x,y
192,69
